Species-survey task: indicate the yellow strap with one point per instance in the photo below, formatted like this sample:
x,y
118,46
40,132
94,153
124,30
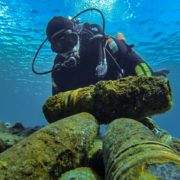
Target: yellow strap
x,y
142,70
146,69
139,71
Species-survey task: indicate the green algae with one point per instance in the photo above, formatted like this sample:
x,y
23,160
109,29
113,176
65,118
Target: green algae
x,y
133,97
52,150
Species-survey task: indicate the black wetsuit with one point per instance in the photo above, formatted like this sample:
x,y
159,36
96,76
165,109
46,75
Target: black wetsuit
x,y
84,74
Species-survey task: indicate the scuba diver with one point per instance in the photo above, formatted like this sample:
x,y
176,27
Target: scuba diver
x,y
86,55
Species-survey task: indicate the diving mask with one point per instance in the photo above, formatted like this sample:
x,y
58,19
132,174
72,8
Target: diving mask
x,y
63,41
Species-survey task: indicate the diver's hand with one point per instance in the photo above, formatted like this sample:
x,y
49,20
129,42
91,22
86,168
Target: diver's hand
x,y
119,36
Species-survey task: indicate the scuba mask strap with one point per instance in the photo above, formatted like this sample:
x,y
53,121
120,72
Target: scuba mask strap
x,y
57,33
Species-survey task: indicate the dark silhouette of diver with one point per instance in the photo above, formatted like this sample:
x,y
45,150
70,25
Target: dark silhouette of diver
x,y
86,55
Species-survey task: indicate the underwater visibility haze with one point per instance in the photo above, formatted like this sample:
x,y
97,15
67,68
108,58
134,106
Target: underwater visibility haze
x,y
152,26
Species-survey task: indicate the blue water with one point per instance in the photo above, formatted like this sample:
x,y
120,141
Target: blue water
x,y
152,25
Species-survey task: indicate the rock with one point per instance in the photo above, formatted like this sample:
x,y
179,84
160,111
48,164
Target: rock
x,y
10,134
8,140
3,146
132,151
82,173
133,97
20,130
52,150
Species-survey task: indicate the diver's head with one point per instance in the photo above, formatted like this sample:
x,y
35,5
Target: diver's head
x,y
61,34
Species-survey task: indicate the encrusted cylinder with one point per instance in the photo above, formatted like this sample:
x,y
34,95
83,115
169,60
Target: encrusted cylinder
x,y
132,151
52,150
132,97
82,173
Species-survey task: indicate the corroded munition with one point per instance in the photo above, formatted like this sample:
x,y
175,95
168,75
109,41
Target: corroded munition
x,y
83,173
132,151
133,97
51,151
95,157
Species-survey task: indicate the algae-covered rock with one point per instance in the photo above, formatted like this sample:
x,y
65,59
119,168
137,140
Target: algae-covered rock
x,y
82,173
52,150
8,140
133,97
11,134
132,151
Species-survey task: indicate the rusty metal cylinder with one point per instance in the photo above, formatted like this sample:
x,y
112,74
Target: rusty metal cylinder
x,y
51,151
132,97
132,151
81,173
